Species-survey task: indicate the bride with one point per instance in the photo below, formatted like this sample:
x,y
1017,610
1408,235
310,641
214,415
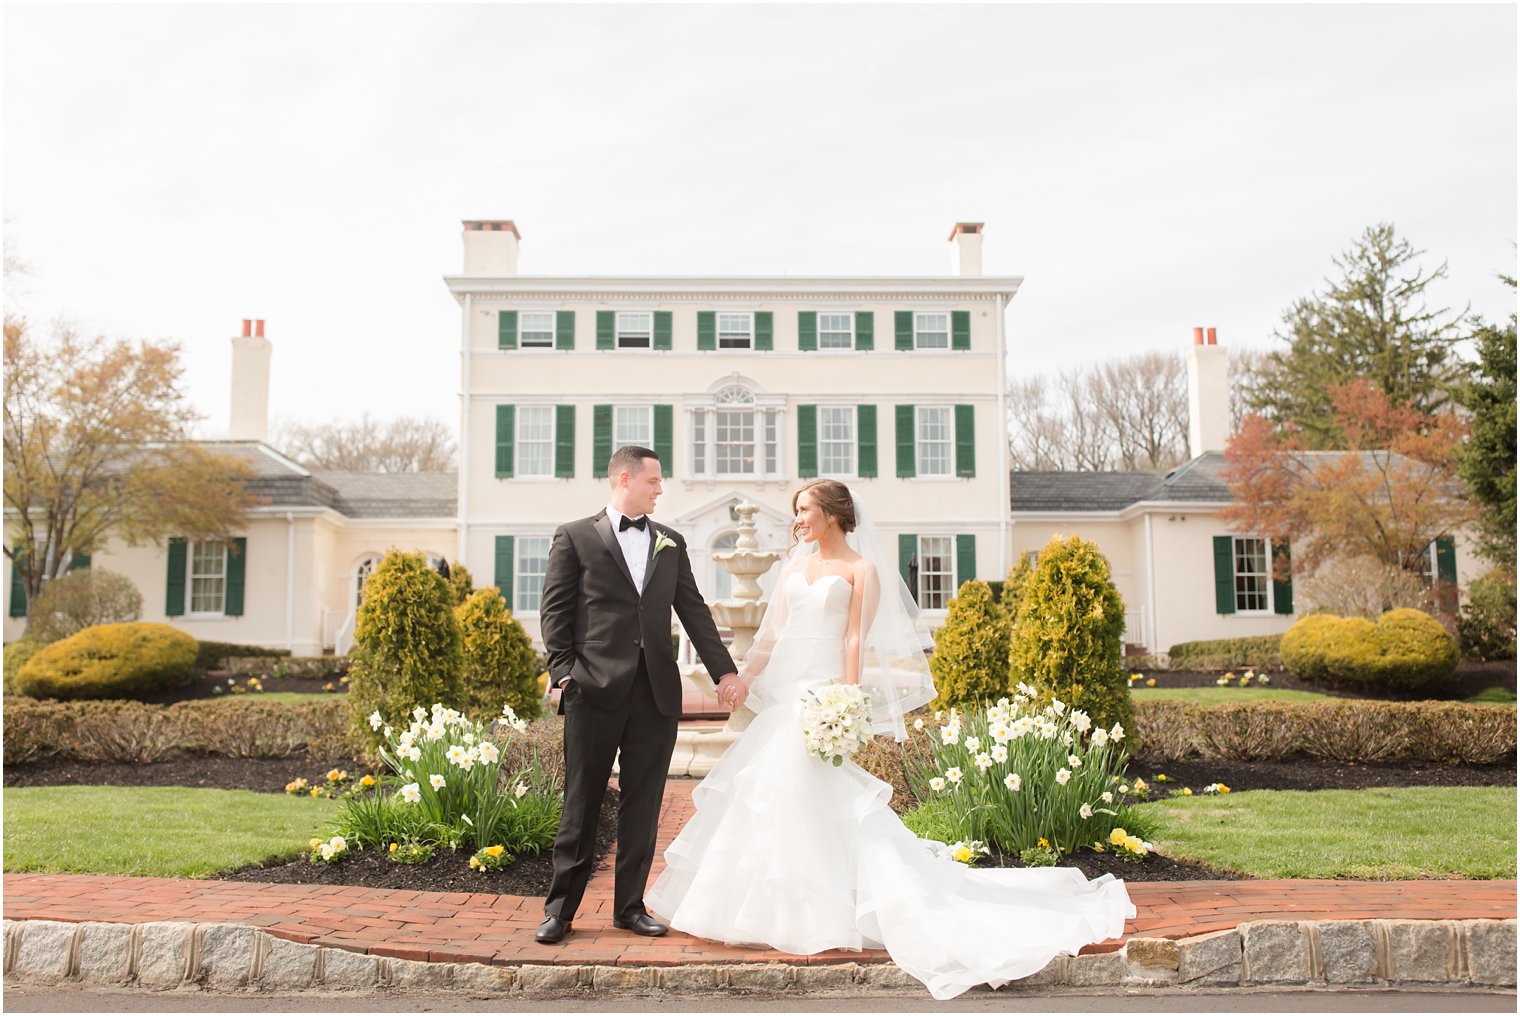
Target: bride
x,y
790,852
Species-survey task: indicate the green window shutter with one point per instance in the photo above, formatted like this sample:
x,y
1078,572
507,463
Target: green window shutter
x,y
237,561
865,329
907,550
960,329
601,439
662,329
564,329
564,441
907,451
965,440
807,330
1282,592
81,562
707,329
1224,575
174,605
865,441
606,329
664,438
764,330
1446,560
504,564
506,329
904,320
18,588
506,436
807,441
965,559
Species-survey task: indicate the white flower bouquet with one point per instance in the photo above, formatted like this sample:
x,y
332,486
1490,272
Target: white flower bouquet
x,y
835,721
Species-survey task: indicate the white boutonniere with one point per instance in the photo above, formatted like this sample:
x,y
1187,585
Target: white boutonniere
x,y
661,541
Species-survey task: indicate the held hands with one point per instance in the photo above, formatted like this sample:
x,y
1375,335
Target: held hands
x,y
731,692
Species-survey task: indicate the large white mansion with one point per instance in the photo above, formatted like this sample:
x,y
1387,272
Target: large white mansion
x,y
746,385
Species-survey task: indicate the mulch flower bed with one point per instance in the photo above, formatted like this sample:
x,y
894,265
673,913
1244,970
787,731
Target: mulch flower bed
x,y
1469,679
214,684
529,876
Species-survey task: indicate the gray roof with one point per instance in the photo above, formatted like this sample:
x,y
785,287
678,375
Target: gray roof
x,y
1034,490
284,483
394,495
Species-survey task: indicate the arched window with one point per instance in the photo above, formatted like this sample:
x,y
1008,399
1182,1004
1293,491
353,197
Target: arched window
x,y
736,433
361,574
723,579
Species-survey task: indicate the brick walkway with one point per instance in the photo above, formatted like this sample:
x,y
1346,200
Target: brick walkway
x,y
486,928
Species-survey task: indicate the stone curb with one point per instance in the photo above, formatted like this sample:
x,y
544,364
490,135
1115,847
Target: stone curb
x,y
1362,954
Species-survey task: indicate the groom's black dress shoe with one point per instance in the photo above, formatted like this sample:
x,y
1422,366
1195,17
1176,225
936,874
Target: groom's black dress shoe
x,y
552,930
640,924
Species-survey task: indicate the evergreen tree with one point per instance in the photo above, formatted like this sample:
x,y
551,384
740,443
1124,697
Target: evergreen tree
x,y
1487,459
498,659
1068,639
1372,324
970,661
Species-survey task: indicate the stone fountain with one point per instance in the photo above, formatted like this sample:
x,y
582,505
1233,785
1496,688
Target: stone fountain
x,y
698,750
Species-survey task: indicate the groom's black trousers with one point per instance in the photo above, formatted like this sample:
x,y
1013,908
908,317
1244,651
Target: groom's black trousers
x,y
593,737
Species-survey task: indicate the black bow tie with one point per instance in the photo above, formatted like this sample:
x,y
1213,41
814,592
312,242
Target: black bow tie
x,y
639,523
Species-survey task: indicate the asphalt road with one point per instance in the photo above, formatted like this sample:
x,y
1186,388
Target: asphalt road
x,y
73,999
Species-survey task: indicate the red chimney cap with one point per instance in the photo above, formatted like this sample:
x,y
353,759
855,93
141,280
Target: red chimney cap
x,y
492,225
1198,336
965,227
1213,338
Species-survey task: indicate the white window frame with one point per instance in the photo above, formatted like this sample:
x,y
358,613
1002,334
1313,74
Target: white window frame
x,y
919,331
1236,574
919,442
618,329
522,329
849,331
647,426
743,418
520,592
850,414
362,571
923,592
191,575
518,459
749,338
769,428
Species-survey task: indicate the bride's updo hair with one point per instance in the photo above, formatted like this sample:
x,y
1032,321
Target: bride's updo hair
x,y
833,498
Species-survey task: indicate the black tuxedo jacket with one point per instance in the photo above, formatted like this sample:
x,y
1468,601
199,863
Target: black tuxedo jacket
x,y
595,623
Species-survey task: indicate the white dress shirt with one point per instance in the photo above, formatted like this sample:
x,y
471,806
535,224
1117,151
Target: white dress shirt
x,y
635,544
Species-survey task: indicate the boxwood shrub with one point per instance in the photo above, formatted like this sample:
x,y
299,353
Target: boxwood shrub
x,y
110,661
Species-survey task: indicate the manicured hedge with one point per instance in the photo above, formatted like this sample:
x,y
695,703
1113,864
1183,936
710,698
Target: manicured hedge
x,y
110,661
1403,649
1260,651
211,655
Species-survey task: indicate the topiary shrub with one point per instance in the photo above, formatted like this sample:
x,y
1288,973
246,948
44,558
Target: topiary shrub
x,y
1403,649
1487,625
110,661
498,659
1013,587
461,584
1068,638
406,647
82,599
16,655
970,661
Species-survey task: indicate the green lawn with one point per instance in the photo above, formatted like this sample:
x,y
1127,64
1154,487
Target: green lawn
x,y
165,831
290,698
1217,696
1381,833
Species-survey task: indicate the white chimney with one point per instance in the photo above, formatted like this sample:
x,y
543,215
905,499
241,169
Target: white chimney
x,y
490,247
250,384
1208,367
966,248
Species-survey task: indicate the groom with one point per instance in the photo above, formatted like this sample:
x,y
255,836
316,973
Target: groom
x,y
611,583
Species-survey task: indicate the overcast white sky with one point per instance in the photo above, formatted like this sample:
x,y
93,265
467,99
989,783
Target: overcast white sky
x,y
170,170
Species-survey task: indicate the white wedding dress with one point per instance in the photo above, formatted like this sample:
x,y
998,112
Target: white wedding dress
x,y
790,852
